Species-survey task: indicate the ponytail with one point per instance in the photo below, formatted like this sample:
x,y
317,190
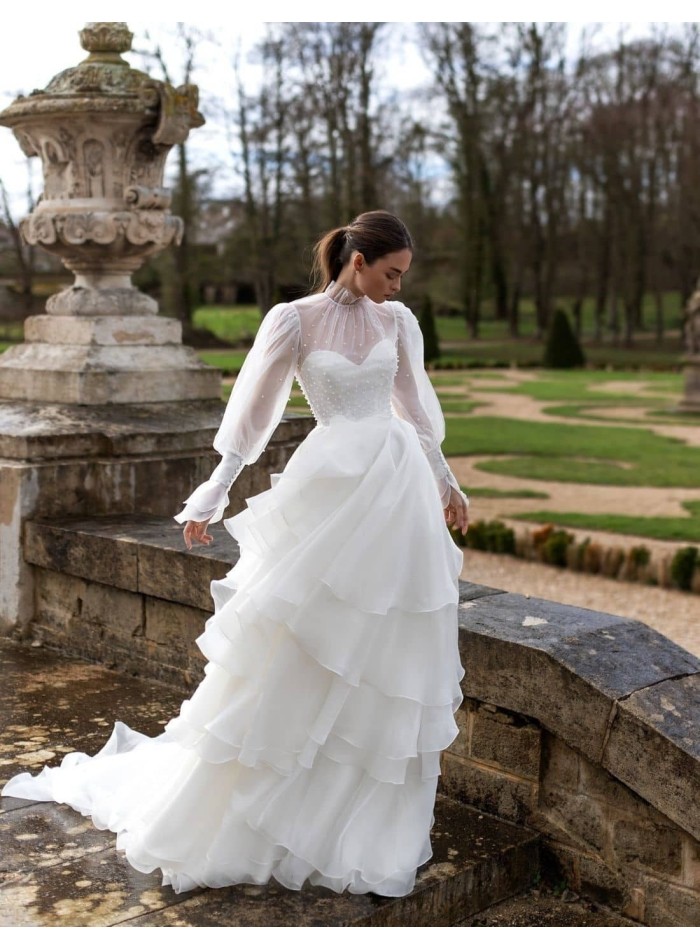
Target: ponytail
x,y
328,258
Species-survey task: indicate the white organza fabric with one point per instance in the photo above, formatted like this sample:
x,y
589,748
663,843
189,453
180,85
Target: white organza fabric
x,y
310,752
335,321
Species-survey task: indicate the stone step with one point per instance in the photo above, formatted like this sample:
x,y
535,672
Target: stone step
x,y
545,907
57,869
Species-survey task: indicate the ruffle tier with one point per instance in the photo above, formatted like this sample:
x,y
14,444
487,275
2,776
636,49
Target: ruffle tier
x,y
311,749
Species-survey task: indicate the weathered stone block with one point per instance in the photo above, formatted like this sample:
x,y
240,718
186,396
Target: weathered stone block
x,y
65,548
561,665
602,883
58,597
654,747
85,618
691,863
102,331
460,746
99,374
507,741
173,626
118,611
635,904
668,905
37,430
487,789
469,592
582,817
654,845
560,763
598,783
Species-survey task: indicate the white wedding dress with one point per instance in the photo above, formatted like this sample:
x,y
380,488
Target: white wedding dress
x,y
311,749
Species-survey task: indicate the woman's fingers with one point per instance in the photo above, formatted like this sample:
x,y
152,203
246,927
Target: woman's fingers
x,y
464,520
457,513
196,531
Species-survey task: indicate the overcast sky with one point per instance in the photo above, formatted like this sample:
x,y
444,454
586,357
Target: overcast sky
x,y
33,50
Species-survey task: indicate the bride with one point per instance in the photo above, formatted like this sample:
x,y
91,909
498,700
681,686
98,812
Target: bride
x,y
311,749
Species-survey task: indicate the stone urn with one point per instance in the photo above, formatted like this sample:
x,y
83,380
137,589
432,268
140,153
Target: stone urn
x,y
103,132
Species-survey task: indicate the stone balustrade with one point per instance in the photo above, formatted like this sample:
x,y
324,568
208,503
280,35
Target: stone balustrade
x,y
582,726
586,727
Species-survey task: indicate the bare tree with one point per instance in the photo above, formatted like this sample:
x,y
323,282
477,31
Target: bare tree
x,y
188,191
262,134
335,65
455,50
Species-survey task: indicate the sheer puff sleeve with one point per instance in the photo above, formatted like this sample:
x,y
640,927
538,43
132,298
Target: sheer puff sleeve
x,y
414,399
253,411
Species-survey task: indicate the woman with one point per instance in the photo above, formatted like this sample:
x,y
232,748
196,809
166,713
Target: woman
x,y
310,751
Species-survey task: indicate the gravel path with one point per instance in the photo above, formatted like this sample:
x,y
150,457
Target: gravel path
x,y
673,613
566,496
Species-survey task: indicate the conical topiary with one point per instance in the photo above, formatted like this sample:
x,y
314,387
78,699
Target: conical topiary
x,y
426,320
562,349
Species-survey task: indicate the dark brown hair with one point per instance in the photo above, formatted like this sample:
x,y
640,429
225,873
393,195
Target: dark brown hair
x,y
374,234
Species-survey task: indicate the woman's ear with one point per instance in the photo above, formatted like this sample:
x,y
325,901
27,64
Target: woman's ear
x,y
358,261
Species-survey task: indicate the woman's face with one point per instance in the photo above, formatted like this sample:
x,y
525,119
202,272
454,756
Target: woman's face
x,y
381,280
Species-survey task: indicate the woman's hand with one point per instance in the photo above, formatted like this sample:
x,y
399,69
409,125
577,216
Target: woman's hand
x,y
196,531
457,511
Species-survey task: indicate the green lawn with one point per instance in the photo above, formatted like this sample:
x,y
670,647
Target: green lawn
x,y
601,455
493,348
506,493
229,323
589,386
454,405
655,414
660,528
491,328
228,361
526,353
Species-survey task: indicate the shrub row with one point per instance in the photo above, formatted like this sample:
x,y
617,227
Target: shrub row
x,y
552,545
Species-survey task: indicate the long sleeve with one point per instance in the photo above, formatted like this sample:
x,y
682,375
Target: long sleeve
x,y
253,410
414,399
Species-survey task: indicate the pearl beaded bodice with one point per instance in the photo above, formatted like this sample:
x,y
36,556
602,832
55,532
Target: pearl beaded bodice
x,y
336,386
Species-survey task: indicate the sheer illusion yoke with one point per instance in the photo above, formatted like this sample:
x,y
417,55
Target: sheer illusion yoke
x,y
332,322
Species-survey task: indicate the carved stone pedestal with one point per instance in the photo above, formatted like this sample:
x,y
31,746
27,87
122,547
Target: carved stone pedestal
x,y
101,360
102,409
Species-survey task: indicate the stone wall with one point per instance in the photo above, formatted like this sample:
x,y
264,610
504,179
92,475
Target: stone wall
x,y
124,592
582,726
585,727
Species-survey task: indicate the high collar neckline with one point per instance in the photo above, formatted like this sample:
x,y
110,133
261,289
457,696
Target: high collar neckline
x,y
342,295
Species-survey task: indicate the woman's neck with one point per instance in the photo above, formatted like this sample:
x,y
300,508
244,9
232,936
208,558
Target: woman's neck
x,y
347,279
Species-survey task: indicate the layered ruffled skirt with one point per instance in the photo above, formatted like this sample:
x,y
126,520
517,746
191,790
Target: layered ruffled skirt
x,y
311,749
